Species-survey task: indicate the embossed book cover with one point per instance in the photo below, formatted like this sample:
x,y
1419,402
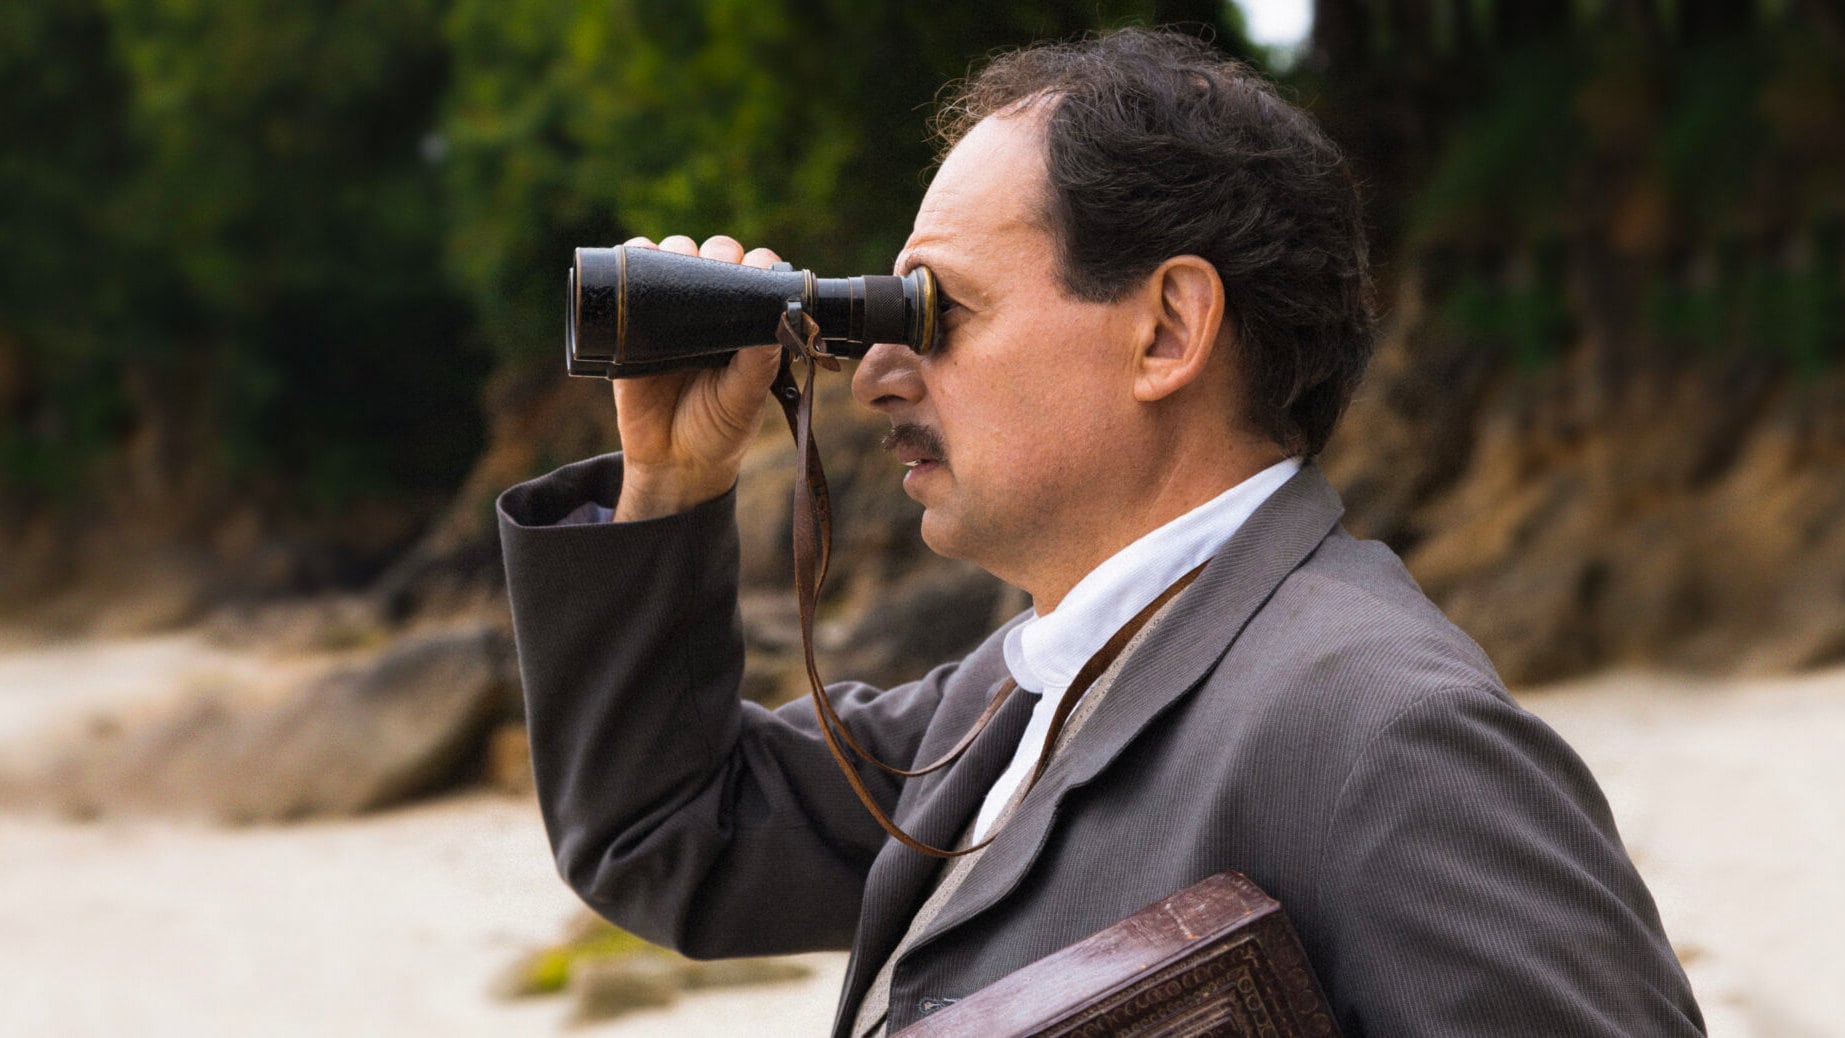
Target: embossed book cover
x,y
1217,958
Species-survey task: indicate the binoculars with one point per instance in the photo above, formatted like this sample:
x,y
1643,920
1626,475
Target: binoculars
x,y
637,311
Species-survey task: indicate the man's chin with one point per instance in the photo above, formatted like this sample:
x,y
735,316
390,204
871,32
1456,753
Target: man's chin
x,y
939,534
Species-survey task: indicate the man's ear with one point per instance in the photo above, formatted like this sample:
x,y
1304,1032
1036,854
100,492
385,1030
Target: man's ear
x,y
1185,307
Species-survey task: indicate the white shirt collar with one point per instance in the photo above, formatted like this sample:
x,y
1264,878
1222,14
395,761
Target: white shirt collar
x,y
1045,652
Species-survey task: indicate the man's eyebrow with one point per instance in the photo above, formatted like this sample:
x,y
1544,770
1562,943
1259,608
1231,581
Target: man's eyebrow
x,y
924,258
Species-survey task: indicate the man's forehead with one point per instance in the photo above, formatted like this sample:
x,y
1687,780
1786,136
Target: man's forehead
x,y
988,191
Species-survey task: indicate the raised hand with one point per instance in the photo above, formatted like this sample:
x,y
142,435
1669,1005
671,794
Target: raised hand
x,y
683,433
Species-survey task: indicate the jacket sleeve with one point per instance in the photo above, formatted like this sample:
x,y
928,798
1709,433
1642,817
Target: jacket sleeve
x,y
681,813
1475,884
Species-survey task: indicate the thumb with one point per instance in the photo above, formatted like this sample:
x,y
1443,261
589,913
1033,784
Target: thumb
x,y
754,369
744,383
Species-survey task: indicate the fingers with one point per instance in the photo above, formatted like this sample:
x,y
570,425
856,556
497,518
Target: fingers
x,y
722,247
717,247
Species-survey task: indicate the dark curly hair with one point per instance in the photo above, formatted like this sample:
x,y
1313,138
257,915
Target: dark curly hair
x,y
1158,146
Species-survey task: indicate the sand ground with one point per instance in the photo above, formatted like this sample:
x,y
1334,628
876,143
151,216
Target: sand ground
x,y
1728,794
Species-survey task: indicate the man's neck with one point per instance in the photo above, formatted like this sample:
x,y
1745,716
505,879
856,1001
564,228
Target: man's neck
x,y
1166,496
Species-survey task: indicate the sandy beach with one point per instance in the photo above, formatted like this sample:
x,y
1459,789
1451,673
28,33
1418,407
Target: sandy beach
x,y
399,923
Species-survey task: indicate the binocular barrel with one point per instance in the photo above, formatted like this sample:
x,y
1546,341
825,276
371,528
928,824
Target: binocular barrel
x,y
636,311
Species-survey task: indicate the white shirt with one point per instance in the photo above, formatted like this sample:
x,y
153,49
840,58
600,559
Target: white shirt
x,y
1045,652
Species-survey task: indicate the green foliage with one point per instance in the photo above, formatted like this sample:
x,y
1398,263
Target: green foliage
x,y
1524,323
59,406
74,414
1506,170
223,202
547,971
282,182
62,96
1740,304
1703,150
1711,140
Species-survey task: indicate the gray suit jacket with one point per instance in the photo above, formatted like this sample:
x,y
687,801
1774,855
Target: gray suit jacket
x,y
1303,714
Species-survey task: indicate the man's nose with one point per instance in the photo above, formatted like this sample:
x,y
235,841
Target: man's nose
x,y
887,377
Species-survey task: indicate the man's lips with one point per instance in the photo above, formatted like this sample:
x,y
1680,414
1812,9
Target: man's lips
x,y
913,445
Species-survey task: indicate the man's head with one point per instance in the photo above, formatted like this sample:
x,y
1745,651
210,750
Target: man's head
x,y
1100,205
1158,146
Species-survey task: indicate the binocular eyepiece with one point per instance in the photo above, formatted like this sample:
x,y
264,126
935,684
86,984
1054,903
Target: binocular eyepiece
x,y
636,311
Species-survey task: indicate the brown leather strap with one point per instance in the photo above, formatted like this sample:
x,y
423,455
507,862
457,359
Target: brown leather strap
x,y
813,537
813,534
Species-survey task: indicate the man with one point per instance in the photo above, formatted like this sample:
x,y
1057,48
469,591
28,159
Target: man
x,y
1157,307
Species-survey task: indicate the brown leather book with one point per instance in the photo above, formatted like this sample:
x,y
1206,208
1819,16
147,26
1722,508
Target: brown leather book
x,y
1217,958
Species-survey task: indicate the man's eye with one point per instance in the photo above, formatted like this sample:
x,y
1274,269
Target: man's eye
x,y
944,307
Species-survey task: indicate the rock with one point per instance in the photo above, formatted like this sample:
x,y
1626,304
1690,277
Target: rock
x,y
413,720
604,988
1607,507
930,617
880,633
509,759
732,973
322,623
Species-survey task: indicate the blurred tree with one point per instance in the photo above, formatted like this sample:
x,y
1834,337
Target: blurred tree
x,y
59,401
1683,151
221,222
283,181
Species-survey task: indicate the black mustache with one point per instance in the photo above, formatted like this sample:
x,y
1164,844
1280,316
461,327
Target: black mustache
x,y
917,437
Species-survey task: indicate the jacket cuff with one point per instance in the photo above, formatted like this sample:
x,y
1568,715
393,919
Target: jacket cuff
x,y
584,493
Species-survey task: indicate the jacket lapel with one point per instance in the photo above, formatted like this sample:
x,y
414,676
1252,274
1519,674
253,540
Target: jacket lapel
x,y
901,878
1198,629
